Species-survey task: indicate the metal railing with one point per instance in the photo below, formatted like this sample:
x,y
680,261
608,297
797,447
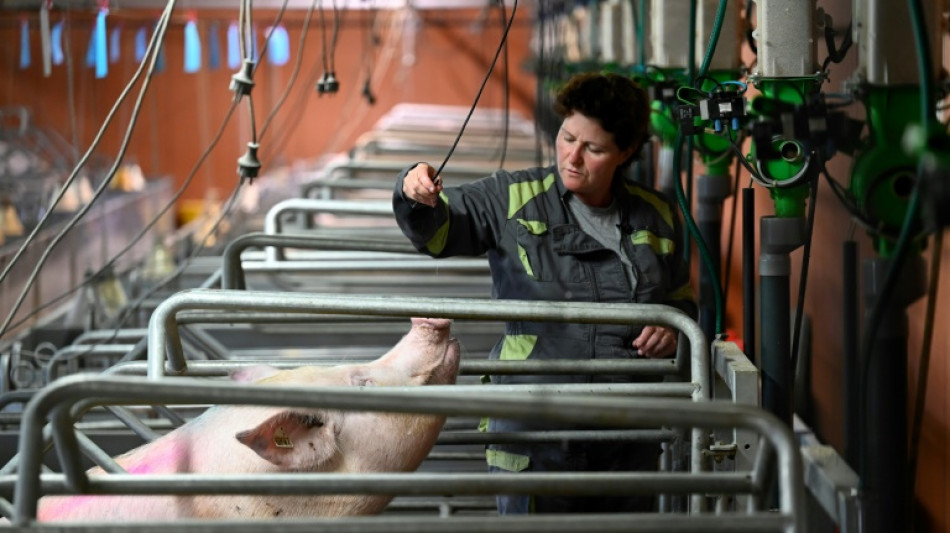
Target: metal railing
x,y
59,400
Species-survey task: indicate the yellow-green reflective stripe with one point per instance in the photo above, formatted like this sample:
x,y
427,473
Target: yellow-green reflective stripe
x,y
536,227
511,462
682,293
483,425
517,347
522,192
523,255
660,246
655,201
438,241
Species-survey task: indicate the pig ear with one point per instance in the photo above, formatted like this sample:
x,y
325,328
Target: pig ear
x,y
293,440
250,374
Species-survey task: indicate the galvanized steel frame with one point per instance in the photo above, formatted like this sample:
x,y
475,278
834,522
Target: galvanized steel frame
x,y
56,403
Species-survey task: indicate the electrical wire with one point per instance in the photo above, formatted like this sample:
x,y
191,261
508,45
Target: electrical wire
x,y
507,90
920,399
84,159
730,242
131,308
296,70
927,117
803,275
438,174
277,19
157,37
174,198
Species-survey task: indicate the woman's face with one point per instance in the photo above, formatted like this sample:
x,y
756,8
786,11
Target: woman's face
x,y
587,158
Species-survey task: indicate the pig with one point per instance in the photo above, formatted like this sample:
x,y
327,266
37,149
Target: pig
x,y
249,440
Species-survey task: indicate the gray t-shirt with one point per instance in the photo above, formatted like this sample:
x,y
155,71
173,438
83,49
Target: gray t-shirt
x,y
601,223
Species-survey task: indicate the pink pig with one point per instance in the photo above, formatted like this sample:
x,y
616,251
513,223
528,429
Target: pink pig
x,y
247,439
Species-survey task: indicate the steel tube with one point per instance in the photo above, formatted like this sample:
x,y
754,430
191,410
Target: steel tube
x,y
612,523
272,223
571,409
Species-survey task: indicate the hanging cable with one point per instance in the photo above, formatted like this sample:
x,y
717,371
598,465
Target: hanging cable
x,y
730,242
928,118
168,205
504,38
296,70
803,276
920,398
158,37
130,309
84,159
507,90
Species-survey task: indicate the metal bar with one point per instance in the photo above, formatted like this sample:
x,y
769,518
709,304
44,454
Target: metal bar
x,y
164,338
606,523
110,335
233,274
231,257
307,205
133,423
479,437
570,409
92,450
466,368
413,484
72,352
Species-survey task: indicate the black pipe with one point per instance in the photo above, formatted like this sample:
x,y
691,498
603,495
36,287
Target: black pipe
x,y
748,272
709,230
852,388
776,360
886,416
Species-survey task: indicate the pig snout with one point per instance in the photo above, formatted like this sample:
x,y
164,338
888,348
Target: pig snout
x,y
428,352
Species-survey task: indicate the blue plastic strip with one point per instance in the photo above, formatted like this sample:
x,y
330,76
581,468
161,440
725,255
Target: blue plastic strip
x,y
24,44
101,47
141,43
278,49
115,39
192,47
56,36
234,50
91,50
214,47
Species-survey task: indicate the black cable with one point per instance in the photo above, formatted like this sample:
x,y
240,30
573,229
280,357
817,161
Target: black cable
x,y
749,34
157,37
323,38
168,205
920,399
803,275
337,22
507,90
277,19
86,156
835,55
730,242
438,174
296,70
134,306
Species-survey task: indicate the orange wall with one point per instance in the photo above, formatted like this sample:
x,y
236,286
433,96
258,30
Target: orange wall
x,y
182,112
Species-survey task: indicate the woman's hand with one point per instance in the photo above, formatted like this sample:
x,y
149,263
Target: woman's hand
x,y
656,342
419,186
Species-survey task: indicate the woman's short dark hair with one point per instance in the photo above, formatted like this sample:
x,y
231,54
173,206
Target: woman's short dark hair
x,y
616,102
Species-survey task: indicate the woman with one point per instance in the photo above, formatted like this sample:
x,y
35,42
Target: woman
x,y
574,231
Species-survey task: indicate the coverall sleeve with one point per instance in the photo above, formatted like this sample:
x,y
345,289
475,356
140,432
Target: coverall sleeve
x,y
466,220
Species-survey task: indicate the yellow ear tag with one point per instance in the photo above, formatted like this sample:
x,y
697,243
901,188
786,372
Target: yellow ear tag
x,y
281,440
